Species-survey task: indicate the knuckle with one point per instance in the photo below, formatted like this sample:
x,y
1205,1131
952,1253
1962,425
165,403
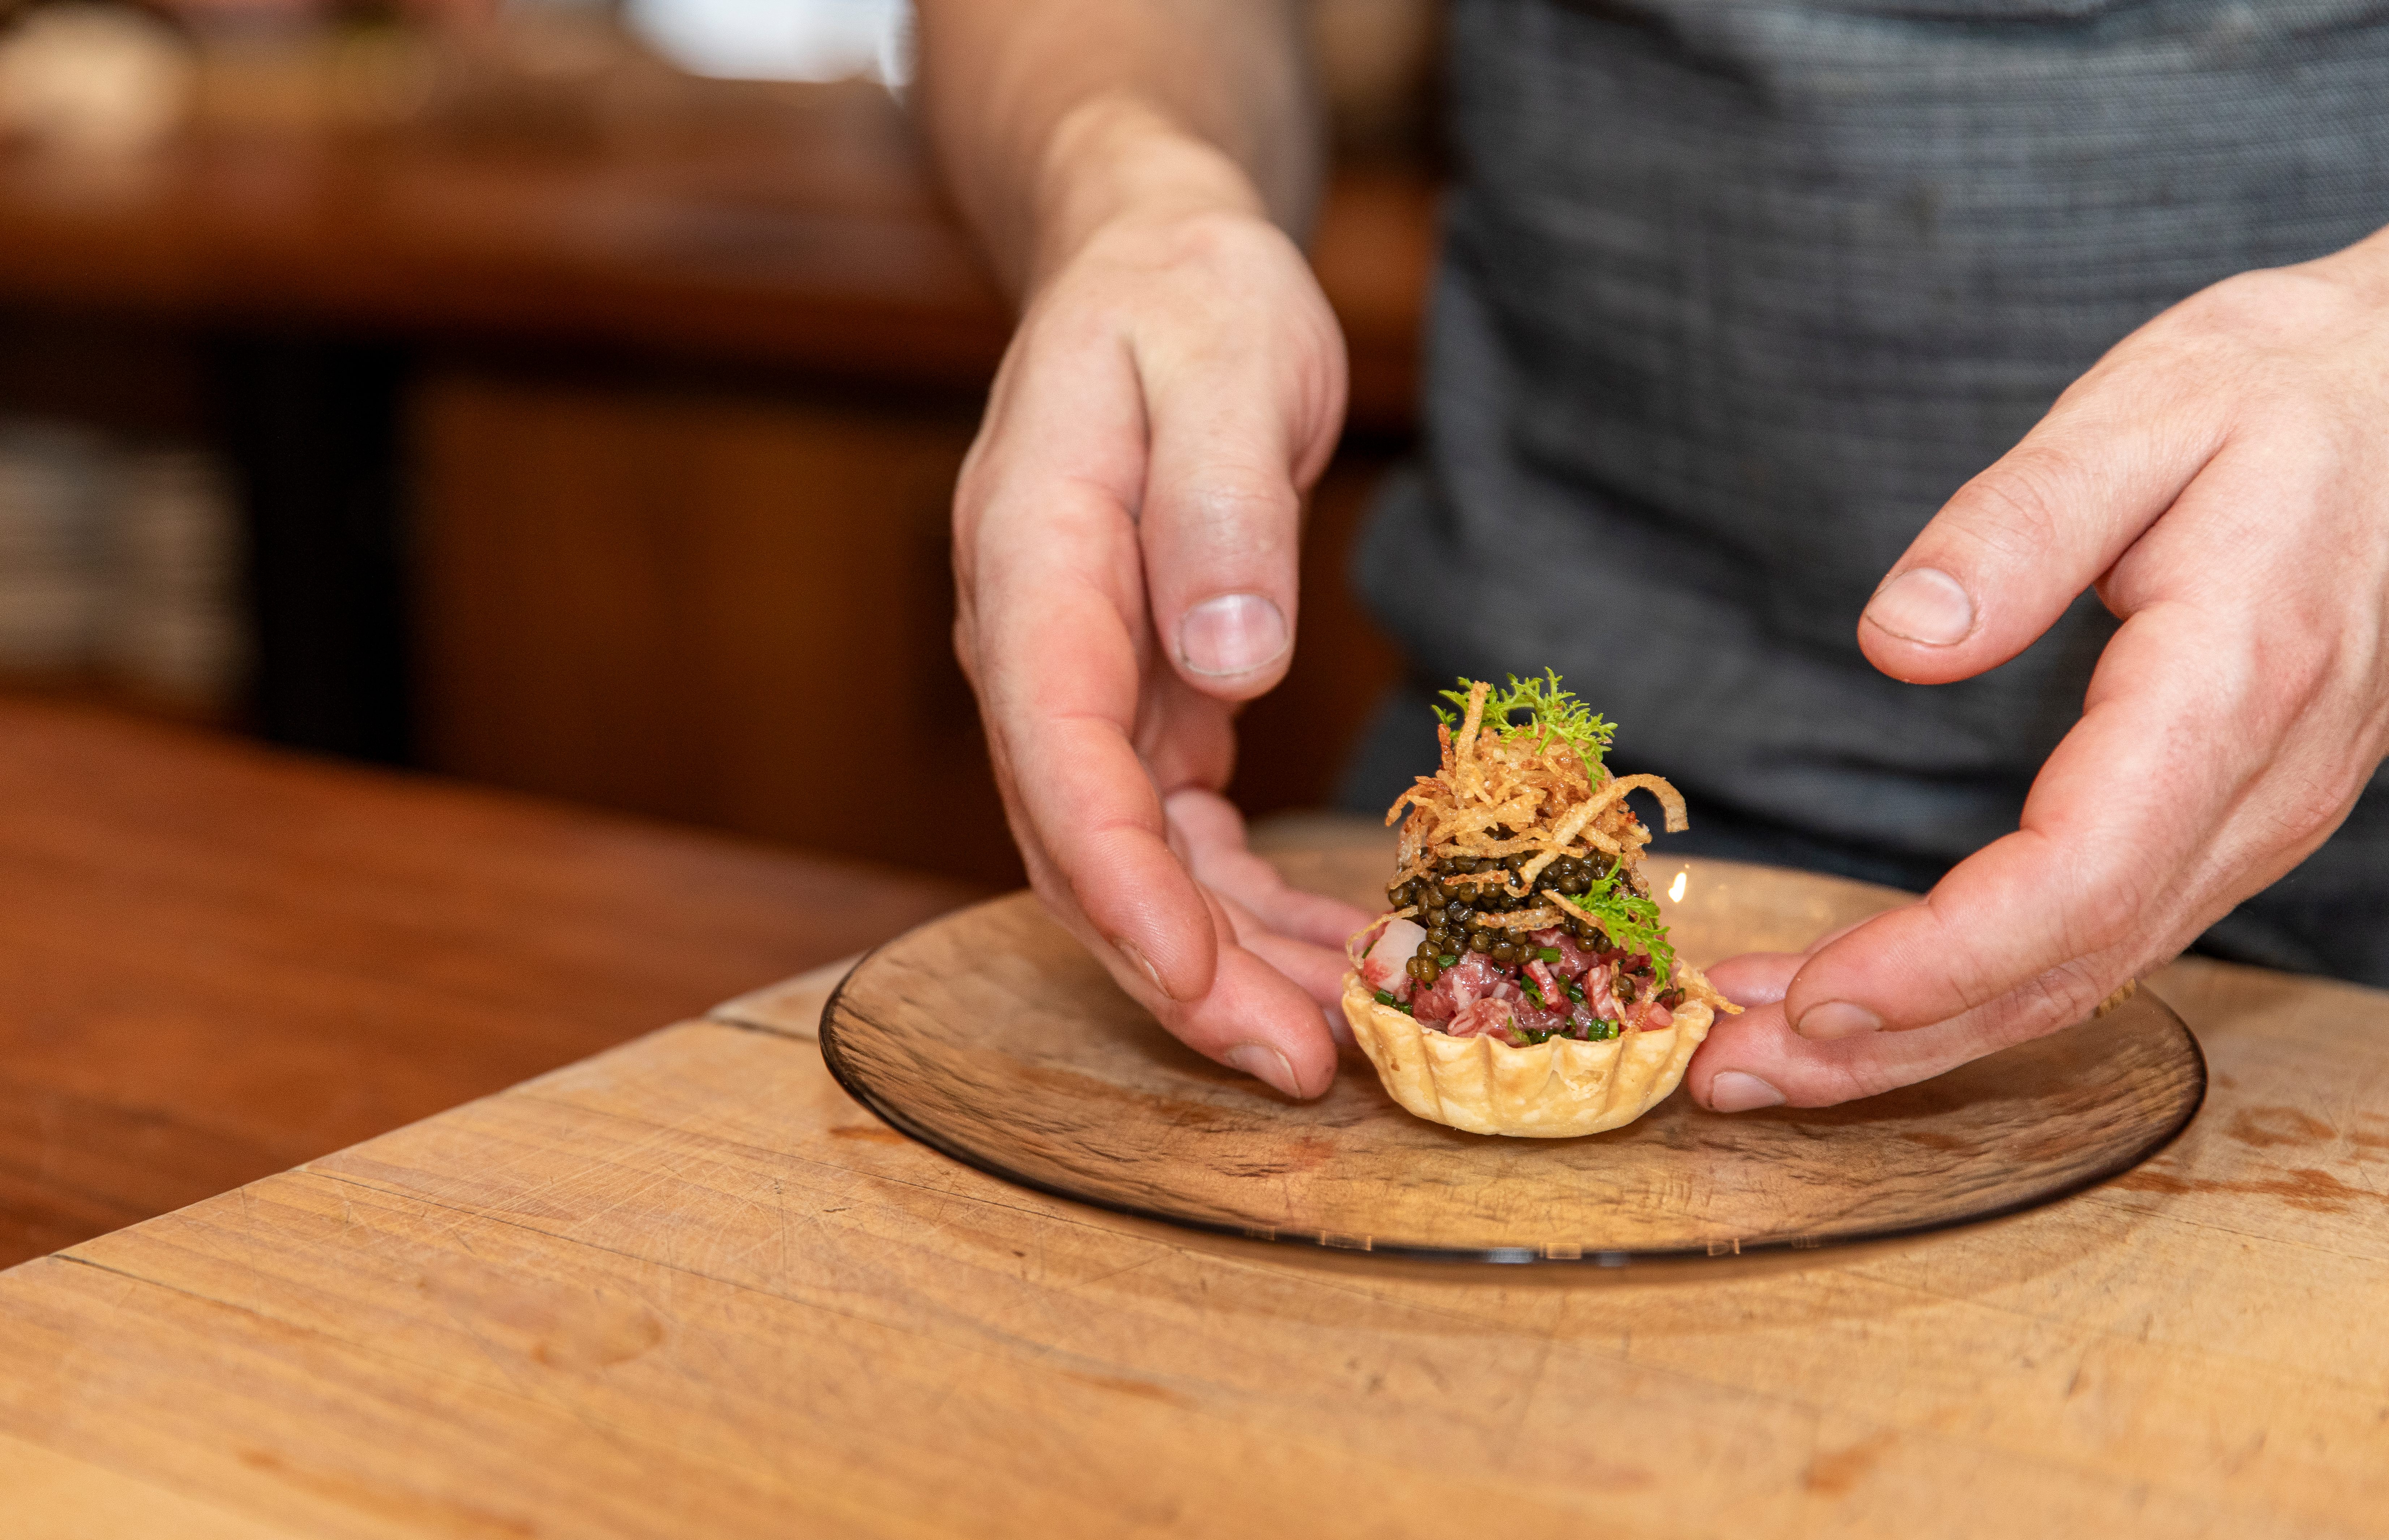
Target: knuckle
x,y
2014,509
2307,800
1243,514
2259,311
2109,911
2310,815
2059,997
2280,676
1863,1076
966,651
2298,671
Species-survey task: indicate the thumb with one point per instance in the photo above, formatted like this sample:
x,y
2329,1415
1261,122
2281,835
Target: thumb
x,y
2006,555
1239,426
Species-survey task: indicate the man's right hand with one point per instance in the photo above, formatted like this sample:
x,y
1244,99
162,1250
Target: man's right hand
x,y
1125,541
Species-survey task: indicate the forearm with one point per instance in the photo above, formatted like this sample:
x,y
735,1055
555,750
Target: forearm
x,y
1052,117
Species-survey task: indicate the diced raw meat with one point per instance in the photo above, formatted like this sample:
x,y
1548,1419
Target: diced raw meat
x,y
1597,995
1474,977
1482,1017
1574,959
1526,1018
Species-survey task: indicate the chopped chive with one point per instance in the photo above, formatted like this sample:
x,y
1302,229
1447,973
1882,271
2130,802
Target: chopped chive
x,y
1549,954
1446,960
1386,997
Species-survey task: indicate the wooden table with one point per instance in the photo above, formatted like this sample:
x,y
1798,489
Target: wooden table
x,y
688,1288
217,960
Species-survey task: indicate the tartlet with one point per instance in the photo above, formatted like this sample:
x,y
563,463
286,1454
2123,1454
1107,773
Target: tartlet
x,y
1555,1089
1523,984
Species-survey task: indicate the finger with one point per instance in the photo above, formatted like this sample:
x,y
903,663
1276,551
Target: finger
x,y
1257,1021
2127,849
1049,569
1253,1017
1317,971
2018,544
1756,977
1239,424
1836,933
1756,1060
1208,835
1257,1018
1053,625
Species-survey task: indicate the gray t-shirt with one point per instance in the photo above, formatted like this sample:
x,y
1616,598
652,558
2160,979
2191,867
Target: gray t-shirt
x,y
1737,293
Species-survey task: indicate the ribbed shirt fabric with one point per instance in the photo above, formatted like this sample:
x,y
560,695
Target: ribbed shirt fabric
x,y
1737,293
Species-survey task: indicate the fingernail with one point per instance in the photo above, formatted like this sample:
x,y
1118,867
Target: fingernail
x,y
1233,633
1263,1062
1734,1091
1142,965
1926,605
1834,1018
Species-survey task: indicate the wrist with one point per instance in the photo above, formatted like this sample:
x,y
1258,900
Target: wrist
x,y
1114,162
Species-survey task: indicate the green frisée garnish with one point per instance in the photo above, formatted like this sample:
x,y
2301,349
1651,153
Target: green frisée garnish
x,y
1550,713
1631,921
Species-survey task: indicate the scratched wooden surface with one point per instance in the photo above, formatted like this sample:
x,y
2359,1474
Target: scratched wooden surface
x,y
688,1288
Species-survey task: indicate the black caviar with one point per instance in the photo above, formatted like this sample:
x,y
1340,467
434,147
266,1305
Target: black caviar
x,y
1456,897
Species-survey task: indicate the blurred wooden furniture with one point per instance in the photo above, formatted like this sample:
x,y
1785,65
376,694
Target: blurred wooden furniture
x,y
682,391
782,227
687,1287
217,960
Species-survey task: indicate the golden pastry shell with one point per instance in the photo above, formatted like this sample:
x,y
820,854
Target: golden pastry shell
x,y
1553,1090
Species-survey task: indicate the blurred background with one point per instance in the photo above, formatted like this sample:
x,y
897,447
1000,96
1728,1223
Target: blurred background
x,y
567,395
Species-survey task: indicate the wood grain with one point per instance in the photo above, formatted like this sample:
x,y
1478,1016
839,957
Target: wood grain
x,y
216,961
990,1035
687,1287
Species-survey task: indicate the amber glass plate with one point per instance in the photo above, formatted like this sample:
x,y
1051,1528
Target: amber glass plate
x,y
989,1036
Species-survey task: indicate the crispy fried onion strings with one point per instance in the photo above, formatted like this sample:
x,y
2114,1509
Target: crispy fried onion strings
x,y
1500,793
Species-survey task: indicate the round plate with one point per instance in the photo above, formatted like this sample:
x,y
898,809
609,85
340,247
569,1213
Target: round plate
x,y
989,1036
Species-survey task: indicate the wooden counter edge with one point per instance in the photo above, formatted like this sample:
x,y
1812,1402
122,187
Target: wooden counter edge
x,y
791,1008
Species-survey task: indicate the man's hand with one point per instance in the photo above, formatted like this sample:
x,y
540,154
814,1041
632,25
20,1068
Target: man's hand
x,y
1124,544
2222,477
